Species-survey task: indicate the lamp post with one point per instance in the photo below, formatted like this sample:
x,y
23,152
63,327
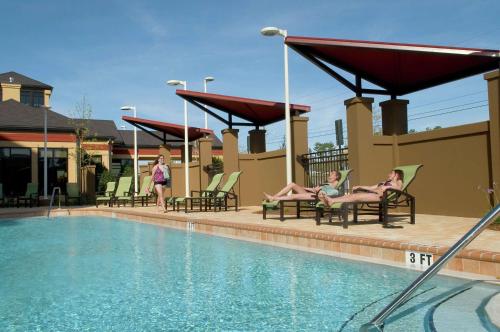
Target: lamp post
x,y
205,81
45,166
186,142
273,31
132,108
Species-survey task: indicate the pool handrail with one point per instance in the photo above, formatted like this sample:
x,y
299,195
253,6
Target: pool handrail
x,y
377,323
52,199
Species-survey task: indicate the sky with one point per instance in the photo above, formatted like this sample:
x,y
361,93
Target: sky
x,y
117,53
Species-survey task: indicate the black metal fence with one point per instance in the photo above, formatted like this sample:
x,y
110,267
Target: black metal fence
x,y
318,165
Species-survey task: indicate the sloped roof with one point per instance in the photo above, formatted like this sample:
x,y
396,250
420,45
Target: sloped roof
x,y
17,116
146,140
100,129
15,78
397,68
258,112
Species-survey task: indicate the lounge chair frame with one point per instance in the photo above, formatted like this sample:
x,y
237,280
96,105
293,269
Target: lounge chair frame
x,y
31,196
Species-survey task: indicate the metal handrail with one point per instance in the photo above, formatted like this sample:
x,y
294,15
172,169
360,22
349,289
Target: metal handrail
x,y
377,323
52,199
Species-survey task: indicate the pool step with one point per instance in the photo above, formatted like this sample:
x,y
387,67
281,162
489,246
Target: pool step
x,y
462,311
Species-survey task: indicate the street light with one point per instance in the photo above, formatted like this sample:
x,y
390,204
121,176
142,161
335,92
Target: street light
x,y
45,166
205,80
132,108
269,32
186,147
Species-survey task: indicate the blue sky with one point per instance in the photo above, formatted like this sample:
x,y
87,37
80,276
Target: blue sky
x,y
118,53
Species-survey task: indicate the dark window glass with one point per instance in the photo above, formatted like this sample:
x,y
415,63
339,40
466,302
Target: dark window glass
x,y
37,98
26,97
57,168
32,97
15,170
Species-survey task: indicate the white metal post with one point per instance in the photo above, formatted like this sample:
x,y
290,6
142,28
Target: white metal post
x,y
45,166
206,115
186,146
135,155
287,117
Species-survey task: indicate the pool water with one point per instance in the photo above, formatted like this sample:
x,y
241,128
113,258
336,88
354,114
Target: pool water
x,y
103,274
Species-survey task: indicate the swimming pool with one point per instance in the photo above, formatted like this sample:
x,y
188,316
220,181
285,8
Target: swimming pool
x,y
95,273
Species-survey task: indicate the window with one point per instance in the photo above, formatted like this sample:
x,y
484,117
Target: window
x,y
57,168
15,170
32,97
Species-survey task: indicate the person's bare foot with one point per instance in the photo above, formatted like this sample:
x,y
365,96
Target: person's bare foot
x,y
323,198
269,197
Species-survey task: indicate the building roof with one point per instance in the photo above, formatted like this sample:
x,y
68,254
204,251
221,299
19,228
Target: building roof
x,y
257,112
145,140
17,116
99,129
12,77
165,128
397,68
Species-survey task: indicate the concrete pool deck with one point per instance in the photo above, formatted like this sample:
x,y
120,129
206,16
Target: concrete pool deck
x,y
367,239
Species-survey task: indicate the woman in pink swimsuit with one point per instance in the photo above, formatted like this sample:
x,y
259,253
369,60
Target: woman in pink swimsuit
x,y
159,180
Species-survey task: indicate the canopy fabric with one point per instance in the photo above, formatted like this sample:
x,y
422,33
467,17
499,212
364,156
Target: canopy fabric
x,y
257,112
167,128
397,68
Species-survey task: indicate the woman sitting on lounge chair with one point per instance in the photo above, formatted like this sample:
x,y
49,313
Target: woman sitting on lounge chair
x,y
329,189
367,194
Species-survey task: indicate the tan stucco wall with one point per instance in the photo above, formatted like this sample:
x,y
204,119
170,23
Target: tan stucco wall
x,y
72,176
178,183
11,91
46,97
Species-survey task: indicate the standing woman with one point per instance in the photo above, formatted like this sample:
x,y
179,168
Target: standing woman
x,y
161,177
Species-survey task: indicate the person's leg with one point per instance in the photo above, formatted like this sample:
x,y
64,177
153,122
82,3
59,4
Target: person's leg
x,y
356,197
160,201
291,186
294,196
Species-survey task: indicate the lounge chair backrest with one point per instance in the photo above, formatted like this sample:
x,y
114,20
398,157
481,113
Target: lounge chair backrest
x,y
343,176
124,185
72,189
31,189
110,188
228,186
146,184
214,183
409,173
1,191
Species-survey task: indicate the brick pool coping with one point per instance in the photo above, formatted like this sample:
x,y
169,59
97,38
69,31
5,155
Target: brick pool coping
x,y
474,261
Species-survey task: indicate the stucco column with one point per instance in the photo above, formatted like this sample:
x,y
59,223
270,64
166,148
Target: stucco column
x,y
11,91
230,154
493,80
205,146
299,147
394,116
360,136
34,166
257,140
190,152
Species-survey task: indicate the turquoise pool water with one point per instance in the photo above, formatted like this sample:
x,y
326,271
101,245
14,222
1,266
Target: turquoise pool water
x,y
101,274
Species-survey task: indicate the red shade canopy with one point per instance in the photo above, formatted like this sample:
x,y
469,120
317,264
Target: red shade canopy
x,y
397,68
257,112
167,128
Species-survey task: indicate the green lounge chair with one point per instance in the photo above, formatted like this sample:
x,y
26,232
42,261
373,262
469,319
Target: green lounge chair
x,y
391,199
72,194
210,191
124,192
107,195
30,196
145,193
224,194
310,204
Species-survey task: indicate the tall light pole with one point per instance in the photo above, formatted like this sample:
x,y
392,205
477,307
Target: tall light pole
x,y
273,31
205,81
136,184
45,166
186,142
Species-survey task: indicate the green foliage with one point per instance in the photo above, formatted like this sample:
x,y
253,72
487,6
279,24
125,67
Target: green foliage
x,y
318,147
216,161
430,128
106,177
128,171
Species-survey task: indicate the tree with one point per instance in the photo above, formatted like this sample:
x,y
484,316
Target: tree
x,y
318,147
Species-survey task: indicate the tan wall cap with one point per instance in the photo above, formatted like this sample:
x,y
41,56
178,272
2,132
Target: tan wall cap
x,y
356,100
230,130
300,118
11,85
257,131
205,140
492,75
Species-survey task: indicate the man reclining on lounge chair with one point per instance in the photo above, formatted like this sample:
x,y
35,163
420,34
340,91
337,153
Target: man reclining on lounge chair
x,y
367,194
305,193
